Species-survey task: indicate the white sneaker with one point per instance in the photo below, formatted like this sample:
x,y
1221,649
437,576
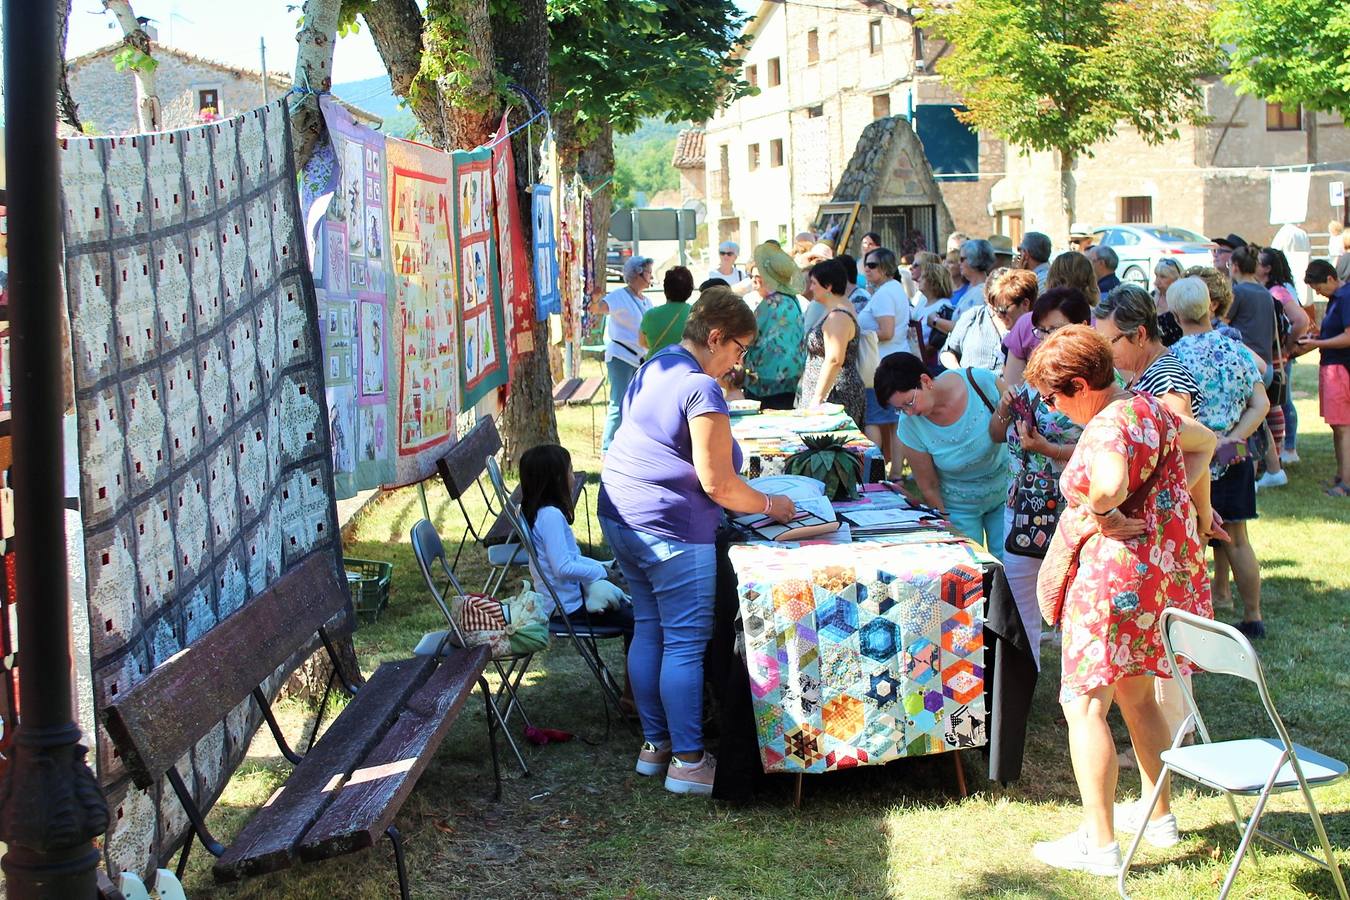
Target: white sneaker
x,y
1072,852
692,777
1159,833
1272,480
1289,457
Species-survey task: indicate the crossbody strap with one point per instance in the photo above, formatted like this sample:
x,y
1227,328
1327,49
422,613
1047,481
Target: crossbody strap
x,y
973,383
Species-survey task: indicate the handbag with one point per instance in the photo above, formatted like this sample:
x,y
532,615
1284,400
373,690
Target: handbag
x,y
1060,566
869,356
1036,505
1278,389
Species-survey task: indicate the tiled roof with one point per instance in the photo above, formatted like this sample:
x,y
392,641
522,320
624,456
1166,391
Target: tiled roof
x,y
689,149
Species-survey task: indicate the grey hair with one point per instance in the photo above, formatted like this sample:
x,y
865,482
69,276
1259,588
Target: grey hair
x,y
1037,246
978,254
1189,299
1172,265
1106,255
1130,306
1343,267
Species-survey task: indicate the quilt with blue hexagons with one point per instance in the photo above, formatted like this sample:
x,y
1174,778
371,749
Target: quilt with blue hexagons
x,y
862,653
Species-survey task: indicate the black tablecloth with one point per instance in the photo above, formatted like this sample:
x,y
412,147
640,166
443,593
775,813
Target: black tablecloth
x,y
1009,682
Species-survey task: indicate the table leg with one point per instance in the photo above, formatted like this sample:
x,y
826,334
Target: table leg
x,y
960,773
797,794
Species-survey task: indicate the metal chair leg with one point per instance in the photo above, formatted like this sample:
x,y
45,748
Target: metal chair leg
x,y
493,722
397,840
1139,835
182,860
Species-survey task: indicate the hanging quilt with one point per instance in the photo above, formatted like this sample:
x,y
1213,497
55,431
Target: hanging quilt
x,y
545,253
205,469
594,287
862,653
570,244
482,343
512,259
421,219
342,193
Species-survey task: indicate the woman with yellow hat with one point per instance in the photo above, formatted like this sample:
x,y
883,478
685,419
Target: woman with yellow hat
x,y
775,362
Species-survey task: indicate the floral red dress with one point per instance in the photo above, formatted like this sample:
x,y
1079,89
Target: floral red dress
x,y
1121,587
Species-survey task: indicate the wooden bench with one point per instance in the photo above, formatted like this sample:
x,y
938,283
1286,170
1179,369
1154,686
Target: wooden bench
x,y
344,793
563,390
586,391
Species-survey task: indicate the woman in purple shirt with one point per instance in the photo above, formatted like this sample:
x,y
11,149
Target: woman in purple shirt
x,y
669,473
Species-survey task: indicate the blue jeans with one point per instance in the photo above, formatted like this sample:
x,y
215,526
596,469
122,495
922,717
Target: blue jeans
x,y
620,376
672,585
1290,411
983,526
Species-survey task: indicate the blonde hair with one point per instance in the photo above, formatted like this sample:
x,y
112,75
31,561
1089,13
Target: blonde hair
x,y
935,275
1074,270
1220,288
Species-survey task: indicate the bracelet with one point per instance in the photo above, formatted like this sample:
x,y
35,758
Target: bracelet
x,y
1103,515
768,504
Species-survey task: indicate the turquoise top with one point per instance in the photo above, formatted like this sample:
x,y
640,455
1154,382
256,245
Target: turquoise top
x,y
972,469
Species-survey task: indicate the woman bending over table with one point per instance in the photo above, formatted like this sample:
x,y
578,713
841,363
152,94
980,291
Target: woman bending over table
x,y
831,373
944,434
1134,453
669,473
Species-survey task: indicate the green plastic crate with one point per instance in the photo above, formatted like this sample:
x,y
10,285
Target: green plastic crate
x,y
369,583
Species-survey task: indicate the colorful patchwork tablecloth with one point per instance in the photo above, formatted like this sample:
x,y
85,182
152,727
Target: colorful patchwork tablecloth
x,y
863,653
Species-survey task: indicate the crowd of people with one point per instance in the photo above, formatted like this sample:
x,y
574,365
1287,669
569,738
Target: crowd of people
x,y
1048,410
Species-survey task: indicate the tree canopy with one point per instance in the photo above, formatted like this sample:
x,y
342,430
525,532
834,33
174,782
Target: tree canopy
x,y
1288,51
1060,76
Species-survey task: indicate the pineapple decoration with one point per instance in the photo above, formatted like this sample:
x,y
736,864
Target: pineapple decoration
x,y
826,460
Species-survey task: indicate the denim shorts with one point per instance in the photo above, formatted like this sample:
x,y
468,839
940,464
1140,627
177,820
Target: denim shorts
x,y
877,414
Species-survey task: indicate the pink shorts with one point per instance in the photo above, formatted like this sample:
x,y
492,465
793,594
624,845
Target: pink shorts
x,y
1334,390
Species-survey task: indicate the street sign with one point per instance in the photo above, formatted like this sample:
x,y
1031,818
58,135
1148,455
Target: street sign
x,y
653,224
1337,193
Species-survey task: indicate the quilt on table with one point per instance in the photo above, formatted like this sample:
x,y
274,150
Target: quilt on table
x,y
862,654
203,444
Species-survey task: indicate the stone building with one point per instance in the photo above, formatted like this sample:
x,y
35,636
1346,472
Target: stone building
x,y
191,90
689,162
826,71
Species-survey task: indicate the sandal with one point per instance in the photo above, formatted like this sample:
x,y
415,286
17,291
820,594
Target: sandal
x,y
1338,490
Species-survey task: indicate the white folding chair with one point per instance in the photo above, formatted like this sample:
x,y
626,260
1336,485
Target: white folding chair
x,y
583,637
1248,767
430,553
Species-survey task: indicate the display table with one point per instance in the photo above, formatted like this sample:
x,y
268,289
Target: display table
x,y
769,438
862,650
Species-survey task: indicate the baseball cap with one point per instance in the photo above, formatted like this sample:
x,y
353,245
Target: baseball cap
x,y
635,264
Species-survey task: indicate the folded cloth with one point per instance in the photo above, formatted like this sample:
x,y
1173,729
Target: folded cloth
x,y
603,595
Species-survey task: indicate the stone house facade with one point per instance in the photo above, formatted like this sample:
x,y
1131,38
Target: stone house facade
x,y
187,86
824,74
690,162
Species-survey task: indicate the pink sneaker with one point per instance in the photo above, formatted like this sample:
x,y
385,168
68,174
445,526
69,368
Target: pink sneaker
x,y
652,760
692,777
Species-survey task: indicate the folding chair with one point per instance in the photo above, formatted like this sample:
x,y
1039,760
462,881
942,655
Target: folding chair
x,y
584,637
430,553
1250,767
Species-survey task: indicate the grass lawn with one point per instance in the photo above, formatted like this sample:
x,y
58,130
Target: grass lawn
x,y
585,825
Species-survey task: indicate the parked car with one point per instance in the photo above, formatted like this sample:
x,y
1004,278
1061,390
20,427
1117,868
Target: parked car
x,y
1141,246
616,254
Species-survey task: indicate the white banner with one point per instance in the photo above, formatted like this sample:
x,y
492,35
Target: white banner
x,y
1289,196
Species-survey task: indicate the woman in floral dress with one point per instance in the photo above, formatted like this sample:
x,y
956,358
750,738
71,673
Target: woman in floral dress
x,y
831,373
1111,641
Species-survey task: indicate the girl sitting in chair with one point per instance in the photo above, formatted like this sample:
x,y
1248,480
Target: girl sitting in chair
x,y
588,599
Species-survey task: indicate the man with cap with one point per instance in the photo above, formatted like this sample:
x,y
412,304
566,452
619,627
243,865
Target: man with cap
x,y
774,363
1080,238
623,309
1003,250
1033,254
727,271
1223,252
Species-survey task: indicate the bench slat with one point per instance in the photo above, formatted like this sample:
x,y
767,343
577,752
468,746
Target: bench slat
x,y
267,842
460,467
586,392
177,704
366,805
564,390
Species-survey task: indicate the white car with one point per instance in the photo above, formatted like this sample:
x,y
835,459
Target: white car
x,y
1141,246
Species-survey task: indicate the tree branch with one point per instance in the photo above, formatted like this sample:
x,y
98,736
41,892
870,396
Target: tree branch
x,y
396,27
134,36
66,109
313,72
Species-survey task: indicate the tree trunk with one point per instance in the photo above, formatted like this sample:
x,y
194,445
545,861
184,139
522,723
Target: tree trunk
x,y
147,100
471,121
313,72
521,46
1067,189
66,109
396,27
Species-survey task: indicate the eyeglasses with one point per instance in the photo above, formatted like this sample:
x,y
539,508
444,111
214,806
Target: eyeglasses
x,y
1003,310
743,349
1050,399
1124,335
909,404
1045,332
725,253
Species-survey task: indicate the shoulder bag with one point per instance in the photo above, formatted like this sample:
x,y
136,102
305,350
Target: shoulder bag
x,y
1278,391
1060,566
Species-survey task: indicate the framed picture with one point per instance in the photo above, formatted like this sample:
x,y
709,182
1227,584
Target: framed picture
x,y
835,223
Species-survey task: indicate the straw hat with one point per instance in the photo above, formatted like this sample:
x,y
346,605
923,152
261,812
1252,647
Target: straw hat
x,y
777,270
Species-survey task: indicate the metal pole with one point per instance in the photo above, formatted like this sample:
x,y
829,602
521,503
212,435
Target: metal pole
x,y
50,804
262,54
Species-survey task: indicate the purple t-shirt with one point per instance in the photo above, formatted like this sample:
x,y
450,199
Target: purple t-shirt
x,y
1022,338
649,483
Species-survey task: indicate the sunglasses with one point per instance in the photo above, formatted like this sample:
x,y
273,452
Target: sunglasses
x,y
725,253
873,265
1003,310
